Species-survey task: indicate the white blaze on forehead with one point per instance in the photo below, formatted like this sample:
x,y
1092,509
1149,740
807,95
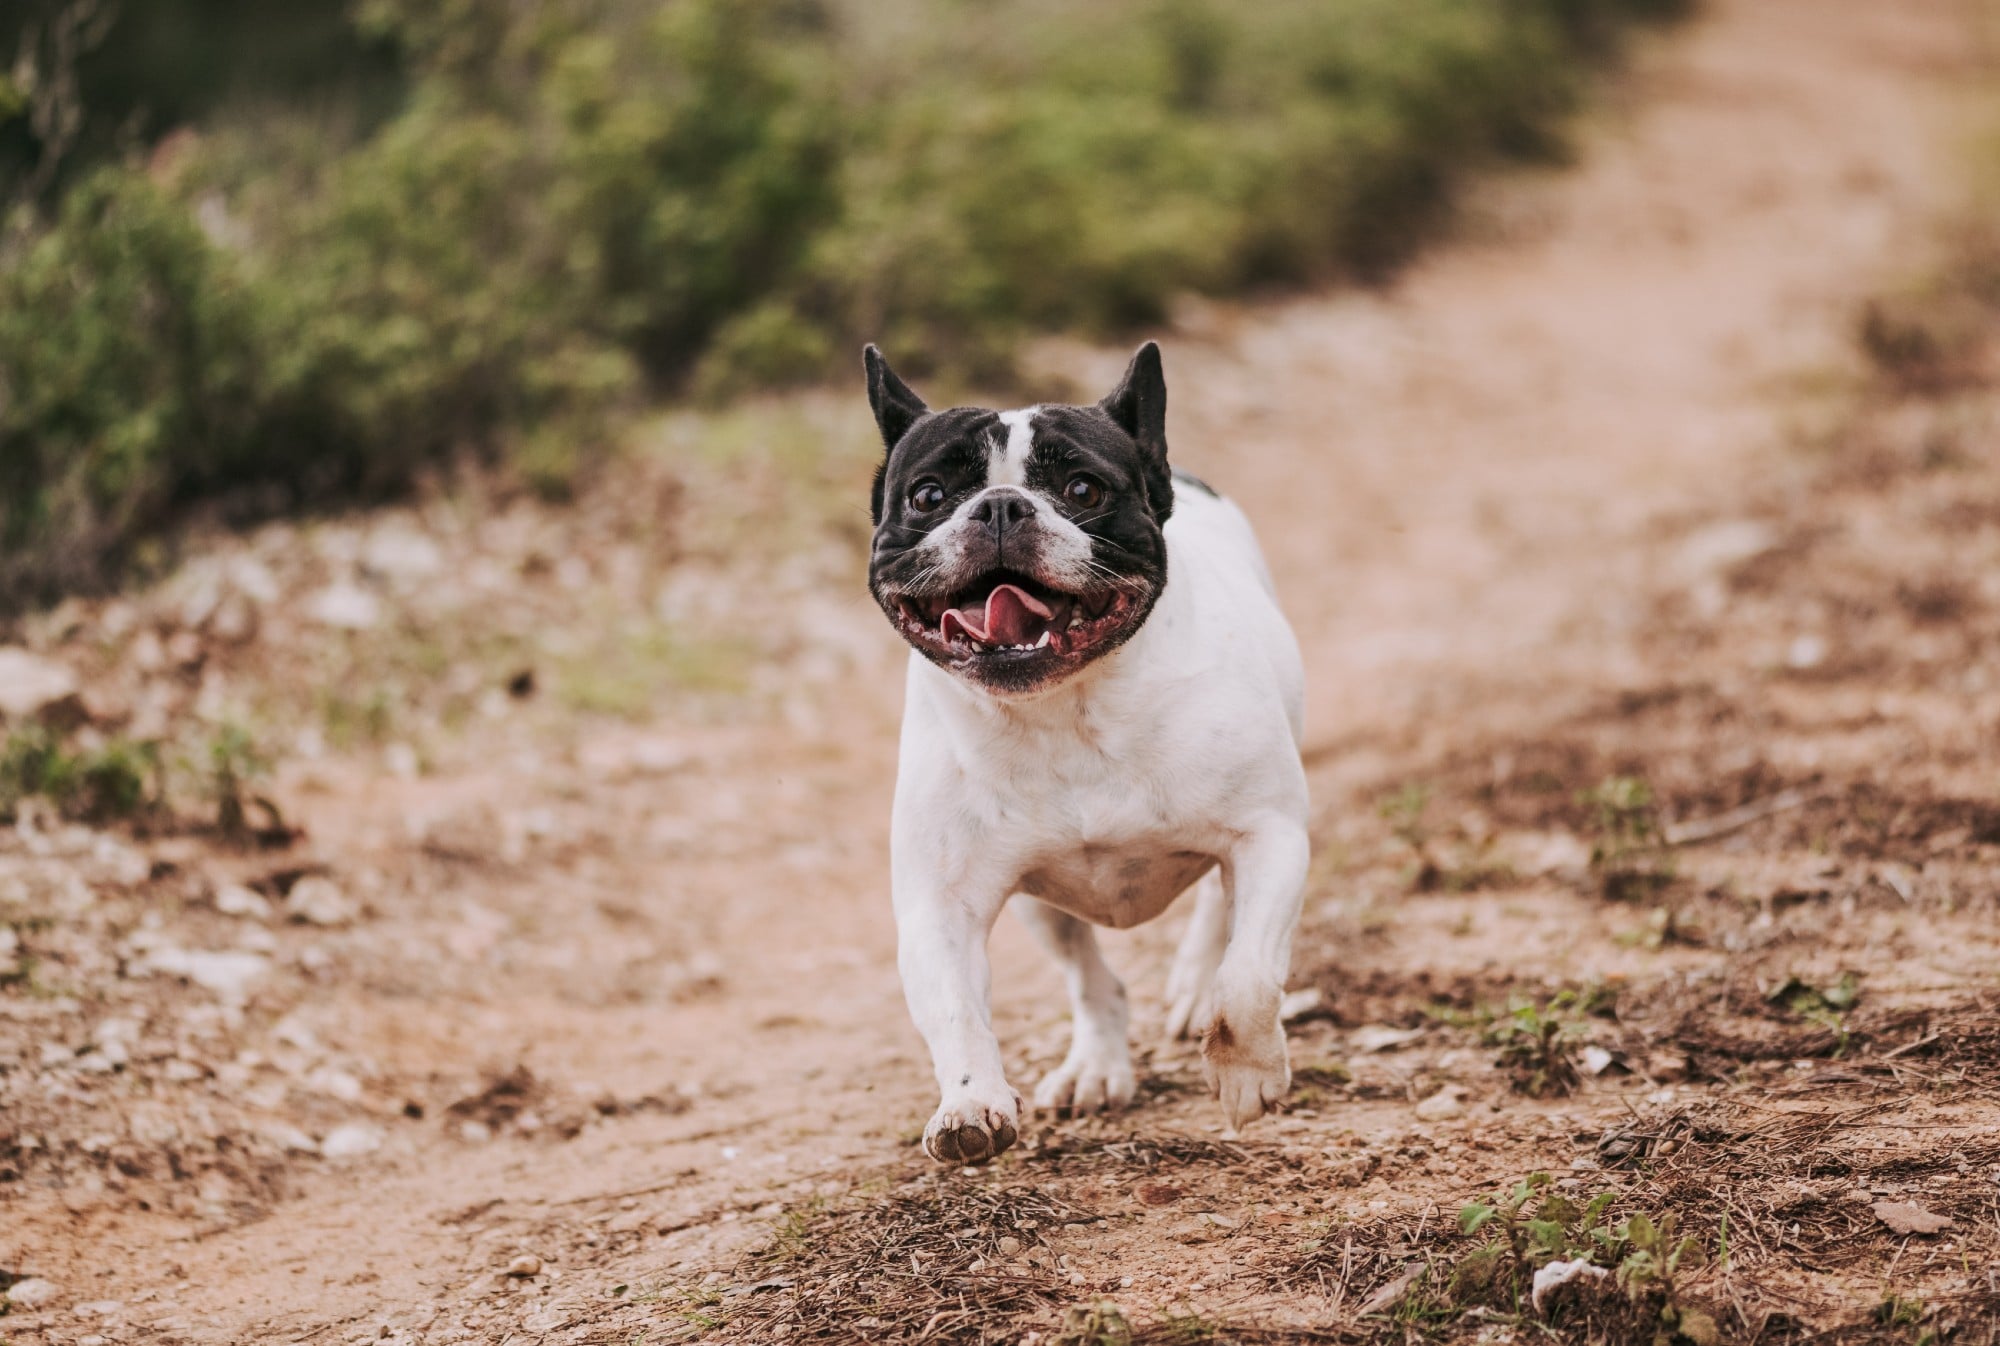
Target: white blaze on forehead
x,y
1007,464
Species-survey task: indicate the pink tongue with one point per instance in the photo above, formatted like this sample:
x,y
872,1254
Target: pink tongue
x,y
1012,617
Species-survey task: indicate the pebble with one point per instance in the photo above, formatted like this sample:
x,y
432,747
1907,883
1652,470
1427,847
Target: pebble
x,y
318,901
227,973
234,899
291,1138
29,683
347,607
1441,1106
236,620
32,1293
351,1141
400,552
527,1264
1805,652
1008,1246
1300,1002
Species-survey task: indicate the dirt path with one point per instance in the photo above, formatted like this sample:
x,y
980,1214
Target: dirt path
x,y
1472,486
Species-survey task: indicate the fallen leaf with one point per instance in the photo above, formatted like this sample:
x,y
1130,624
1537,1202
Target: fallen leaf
x,y
1391,1294
1381,1037
1699,1328
1908,1218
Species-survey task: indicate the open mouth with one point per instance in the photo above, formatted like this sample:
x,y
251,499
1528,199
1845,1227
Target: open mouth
x,y
1006,615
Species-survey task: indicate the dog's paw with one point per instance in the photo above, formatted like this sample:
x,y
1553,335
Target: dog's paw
x,y
972,1131
1247,1066
1088,1081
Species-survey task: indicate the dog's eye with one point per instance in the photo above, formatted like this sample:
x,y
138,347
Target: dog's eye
x,y
926,496
1085,492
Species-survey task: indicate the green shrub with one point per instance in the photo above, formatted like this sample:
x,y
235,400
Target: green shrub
x,y
581,198
117,780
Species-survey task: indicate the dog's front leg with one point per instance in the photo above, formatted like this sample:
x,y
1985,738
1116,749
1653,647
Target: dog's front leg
x,y
1243,1045
947,980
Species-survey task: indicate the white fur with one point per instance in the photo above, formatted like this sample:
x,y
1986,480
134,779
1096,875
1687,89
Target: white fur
x,y
1007,463
1100,800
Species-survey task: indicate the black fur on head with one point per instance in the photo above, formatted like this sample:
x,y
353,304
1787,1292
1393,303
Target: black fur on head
x,y
1013,548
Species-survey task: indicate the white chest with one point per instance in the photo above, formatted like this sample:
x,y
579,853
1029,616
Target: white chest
x,y
1111,842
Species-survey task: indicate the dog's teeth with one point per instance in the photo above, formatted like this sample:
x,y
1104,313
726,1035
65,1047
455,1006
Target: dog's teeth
x,y
1075,620
1042,642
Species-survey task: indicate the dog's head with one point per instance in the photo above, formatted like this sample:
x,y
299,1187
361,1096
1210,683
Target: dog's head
x,y
1012,548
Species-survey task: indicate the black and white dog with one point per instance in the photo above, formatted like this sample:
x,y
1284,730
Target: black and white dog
x,y
1104,709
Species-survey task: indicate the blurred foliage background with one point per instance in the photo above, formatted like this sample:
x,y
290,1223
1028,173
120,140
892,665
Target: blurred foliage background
x,y
263,255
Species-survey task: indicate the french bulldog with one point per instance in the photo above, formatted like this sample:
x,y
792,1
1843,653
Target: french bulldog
x,y
1103,711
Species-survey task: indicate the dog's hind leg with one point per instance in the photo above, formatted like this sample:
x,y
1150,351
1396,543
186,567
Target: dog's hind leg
x,y
1097,1073
1200,953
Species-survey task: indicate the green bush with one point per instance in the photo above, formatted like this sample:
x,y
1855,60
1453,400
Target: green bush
x,y
123,375
579,200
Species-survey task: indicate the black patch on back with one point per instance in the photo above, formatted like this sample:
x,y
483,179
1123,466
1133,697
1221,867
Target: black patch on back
x,y
1187,478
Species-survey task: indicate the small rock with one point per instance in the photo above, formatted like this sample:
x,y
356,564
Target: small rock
x,y
99,1308
1724,545
402,761
1158,1193
527,1264
235,619
29,684
105,707
346,607
399,552
1008,1245
1540,853
351,1141
227,973
1595,1060
1297,1003
234,899
1442,1106
32,1293
185,650
334,1084
317,900
291,1138
1806,652
10,943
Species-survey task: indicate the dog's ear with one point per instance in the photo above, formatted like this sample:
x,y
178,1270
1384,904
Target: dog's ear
x,y
896,407
1139,405
1139,402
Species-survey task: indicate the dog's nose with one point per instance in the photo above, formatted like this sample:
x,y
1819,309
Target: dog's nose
x,y
1001,509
